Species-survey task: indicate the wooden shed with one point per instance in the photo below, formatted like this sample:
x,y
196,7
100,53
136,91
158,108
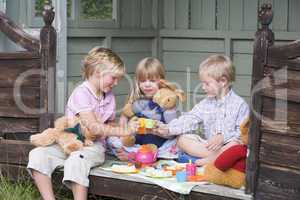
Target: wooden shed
x,y
273,166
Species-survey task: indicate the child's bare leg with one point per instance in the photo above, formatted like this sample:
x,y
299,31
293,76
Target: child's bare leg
x,y
213,156
208,159
44,185
191,144
79,191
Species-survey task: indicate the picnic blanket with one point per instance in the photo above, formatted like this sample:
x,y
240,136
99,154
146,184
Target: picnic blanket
x,y
169,183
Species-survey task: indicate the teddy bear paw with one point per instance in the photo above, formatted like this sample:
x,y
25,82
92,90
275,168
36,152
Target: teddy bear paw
x,y
74,146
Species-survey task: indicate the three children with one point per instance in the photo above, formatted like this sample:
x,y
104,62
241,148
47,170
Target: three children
x,y
220,114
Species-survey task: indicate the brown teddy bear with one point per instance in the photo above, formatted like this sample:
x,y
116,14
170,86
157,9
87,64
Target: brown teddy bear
x,y
157,109
69,133
229,167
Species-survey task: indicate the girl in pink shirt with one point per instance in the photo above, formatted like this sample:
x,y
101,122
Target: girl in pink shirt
x,y
95,104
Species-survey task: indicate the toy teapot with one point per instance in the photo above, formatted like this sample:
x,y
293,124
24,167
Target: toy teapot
x,y
147,154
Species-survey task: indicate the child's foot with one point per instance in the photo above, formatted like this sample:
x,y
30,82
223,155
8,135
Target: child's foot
x,y
204,161
201,162
122,154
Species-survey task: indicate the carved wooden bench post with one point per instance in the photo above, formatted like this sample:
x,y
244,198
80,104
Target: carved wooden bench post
x,y
48,56
264,37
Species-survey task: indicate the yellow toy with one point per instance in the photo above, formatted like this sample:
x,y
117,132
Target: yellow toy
x,y
145,125
229,168
69,133
166,99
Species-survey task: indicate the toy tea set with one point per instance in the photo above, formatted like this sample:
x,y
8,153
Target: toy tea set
x,y
144,161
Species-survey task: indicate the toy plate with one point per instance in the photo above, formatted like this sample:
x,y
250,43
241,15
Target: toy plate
x,y
157,173
124,169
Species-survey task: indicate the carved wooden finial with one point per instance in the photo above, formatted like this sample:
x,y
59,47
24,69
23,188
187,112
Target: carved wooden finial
x,y
265,15
48,14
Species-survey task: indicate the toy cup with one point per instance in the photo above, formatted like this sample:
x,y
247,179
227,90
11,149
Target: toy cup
x,y
149,123
181,176
145,124
190,169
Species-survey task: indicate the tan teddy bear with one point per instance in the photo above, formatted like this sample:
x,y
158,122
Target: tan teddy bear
x,y
229,167
69,133
165,100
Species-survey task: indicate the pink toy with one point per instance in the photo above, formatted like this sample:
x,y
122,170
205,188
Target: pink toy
x,y
190,169
147,154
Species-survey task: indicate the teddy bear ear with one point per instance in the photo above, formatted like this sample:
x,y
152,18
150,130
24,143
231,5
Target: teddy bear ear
x,y
181,95
166,84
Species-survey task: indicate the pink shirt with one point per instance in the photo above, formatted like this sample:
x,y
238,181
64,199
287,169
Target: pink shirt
x,y
83,99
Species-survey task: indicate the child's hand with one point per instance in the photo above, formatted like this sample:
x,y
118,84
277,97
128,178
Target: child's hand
x,y
133,124
122,154
161,129
215,143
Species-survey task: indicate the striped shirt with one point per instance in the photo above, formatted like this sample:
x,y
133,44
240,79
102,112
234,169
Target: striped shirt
x,y
214,116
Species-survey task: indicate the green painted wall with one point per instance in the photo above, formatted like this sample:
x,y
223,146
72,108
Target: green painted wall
x,y
191,30
132,37
181,33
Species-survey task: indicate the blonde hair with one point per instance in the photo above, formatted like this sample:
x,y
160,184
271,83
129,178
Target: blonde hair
x,y
96,58
147,68
218,66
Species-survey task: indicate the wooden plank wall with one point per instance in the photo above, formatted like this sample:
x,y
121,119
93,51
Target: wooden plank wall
x,y
192,30
181,33
27,79
279,161
13,117
279,150
273,164
199,27
133,40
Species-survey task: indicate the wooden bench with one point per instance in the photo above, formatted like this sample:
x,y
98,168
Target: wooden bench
x,y
274,160
105,183
273,166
